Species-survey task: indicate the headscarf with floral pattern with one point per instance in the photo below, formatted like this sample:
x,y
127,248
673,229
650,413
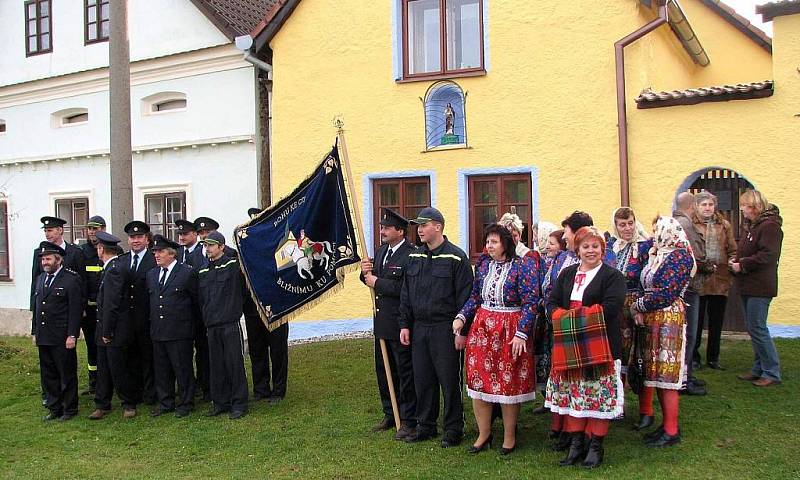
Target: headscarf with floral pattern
x,y
668,236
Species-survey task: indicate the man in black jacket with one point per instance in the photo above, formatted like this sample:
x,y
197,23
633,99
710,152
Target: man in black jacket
x,y
265,347
94,268
173,299
385,276
113,331
137,262
55,327
221,296
437,283
192,253
190,250
73,259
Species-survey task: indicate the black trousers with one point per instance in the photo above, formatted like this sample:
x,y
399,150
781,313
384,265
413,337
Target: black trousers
x,y
172,362
140,365
400,364
112,374
228,377
267,347
437,364
201,358
59,367
88,326
712,307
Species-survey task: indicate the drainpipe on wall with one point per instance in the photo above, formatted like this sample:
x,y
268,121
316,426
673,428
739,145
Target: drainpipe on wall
x,y
264,94
622,113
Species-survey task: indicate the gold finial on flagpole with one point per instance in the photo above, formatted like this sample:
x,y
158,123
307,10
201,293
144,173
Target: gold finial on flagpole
x,y
338,122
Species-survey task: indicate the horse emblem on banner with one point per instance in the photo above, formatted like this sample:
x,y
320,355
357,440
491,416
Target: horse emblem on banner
x,y
303,253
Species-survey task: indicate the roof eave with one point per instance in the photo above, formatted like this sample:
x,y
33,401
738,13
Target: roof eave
x,y
740,23
771,10
267,28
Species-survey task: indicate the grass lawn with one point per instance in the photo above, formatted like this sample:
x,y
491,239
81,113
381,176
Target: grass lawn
x,y
322,429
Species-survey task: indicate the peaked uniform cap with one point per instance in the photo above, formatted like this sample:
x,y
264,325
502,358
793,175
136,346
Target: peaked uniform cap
x,y
106,238
161,242
50,222
47,248
393,219
205,223
137,227
184,226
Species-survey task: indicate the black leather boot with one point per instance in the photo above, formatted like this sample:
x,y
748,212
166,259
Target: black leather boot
x,y
577,450
645,422
563,442
595,456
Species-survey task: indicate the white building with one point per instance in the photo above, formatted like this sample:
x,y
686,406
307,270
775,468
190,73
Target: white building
x,y
195,116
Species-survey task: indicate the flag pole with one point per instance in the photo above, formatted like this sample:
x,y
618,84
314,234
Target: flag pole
x,y
384,352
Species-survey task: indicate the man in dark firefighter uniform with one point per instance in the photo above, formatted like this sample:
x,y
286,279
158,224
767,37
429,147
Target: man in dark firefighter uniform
x,y
53,228
94,268
265,347
437,283
137,262
192,253
173,299
221,296
385,276
113,331
58,306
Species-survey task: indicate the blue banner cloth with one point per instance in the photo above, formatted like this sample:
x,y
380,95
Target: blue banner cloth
x,y
296,252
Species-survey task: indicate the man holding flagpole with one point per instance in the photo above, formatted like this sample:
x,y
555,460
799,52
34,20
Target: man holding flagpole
x,y
437,283
385,277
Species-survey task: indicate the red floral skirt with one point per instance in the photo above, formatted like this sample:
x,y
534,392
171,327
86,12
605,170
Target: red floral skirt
x,y
493,375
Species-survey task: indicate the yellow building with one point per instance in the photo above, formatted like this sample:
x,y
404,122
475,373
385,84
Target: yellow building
x,y
533,92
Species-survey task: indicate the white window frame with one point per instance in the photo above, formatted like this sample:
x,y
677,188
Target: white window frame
x,y
59,119
149,104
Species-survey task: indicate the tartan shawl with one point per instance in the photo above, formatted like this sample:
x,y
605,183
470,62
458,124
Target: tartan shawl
x,y
580,343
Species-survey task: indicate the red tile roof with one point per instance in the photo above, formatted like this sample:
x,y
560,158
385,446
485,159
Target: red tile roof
x,y
692,96
771,10
235,17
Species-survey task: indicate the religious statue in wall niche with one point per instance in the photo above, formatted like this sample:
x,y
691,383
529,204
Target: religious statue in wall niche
x,y
449,119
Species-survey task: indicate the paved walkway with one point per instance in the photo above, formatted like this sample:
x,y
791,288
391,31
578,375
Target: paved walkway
x,y
302,332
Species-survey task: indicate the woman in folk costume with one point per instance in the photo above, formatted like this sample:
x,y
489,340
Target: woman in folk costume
x,y
514,225
568,257
499,316
551,243
542,242
585,386
631,244
660,307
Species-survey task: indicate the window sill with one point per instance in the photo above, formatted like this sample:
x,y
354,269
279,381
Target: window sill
x,y
442,76
74,124
440,148
41,52
163,112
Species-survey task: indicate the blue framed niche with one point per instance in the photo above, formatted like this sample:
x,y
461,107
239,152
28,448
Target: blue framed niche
x,y
445,116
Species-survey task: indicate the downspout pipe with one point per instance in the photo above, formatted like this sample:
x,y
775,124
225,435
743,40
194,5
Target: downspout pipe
x,y
245,44
622,113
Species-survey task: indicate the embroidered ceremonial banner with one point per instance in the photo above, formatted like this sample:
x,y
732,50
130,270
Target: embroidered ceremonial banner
x,y
296,252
